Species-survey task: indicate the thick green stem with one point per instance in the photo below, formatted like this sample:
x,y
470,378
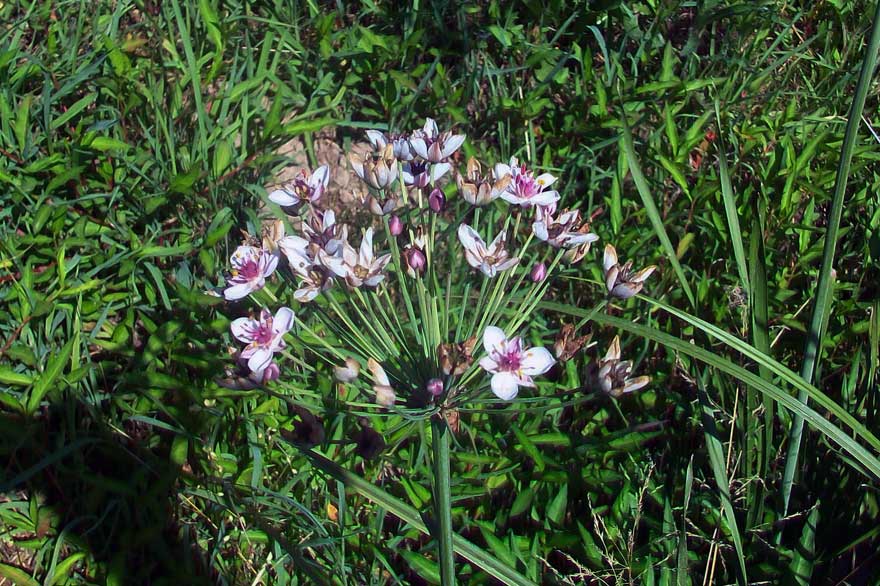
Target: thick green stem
x,y
443,499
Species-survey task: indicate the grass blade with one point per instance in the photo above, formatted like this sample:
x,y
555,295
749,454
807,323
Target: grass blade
x,y
632,162
719,469
739,252
53,370
824,288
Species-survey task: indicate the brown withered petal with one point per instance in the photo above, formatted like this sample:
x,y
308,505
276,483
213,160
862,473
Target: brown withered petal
x,y
456,358
568,344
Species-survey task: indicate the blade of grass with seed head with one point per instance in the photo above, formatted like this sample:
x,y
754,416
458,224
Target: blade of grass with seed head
x,y
824,288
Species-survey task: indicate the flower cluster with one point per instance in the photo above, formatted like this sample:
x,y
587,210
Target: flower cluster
x,y
402,279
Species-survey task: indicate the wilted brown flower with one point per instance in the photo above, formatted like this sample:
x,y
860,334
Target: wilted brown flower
x,y
477,189
456,358
568,344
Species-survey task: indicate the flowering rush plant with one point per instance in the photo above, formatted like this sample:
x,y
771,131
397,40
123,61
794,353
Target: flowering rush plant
x,y
424,299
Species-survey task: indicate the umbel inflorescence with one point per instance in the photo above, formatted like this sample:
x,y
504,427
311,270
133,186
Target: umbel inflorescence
x,y
443,258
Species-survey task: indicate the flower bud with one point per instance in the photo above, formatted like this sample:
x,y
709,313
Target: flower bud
x,y
435,387
395,225
347,373
272,372
539,272
385,395
437,200
415,261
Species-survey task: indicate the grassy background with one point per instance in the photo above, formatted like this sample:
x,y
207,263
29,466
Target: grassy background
x,y
136,138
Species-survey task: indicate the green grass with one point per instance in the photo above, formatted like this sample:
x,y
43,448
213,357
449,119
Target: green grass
x,y
136,142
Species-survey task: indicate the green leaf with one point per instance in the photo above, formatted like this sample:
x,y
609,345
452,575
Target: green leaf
x,y
719,469
74,110
424,567
21,122
651,208
10,377
556,508
17,577
47,379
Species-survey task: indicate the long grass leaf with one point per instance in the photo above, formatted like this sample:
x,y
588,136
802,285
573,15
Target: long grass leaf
x,y
632,162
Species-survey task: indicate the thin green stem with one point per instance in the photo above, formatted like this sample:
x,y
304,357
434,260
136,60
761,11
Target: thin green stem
x,y
443,499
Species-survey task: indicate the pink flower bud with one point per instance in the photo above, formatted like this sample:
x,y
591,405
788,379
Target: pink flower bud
x,y
539,272
415,261
395,225
437,200
272,372
435,387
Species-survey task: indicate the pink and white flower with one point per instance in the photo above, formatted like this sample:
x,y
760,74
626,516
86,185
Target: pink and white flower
x,y
489,259
510,365
399,144
620,280
421,173
613,374
565,231
251,266
377,169
432,145
525,189
263,336
314,277
357,267
304,187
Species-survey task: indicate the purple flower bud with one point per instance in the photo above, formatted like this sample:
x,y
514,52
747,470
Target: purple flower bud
x,y
539,272
415,261
272,372
395,225
437,200
435,387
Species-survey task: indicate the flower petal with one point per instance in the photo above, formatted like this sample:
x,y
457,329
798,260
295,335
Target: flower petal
x,y
439,170
430,128
494,340
452,144
471,241
634,384
377,139
488,364
284,198
505,385
238,291
613,350
242,327
610,258
419,146
321,177
536,361
283,321
260,359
